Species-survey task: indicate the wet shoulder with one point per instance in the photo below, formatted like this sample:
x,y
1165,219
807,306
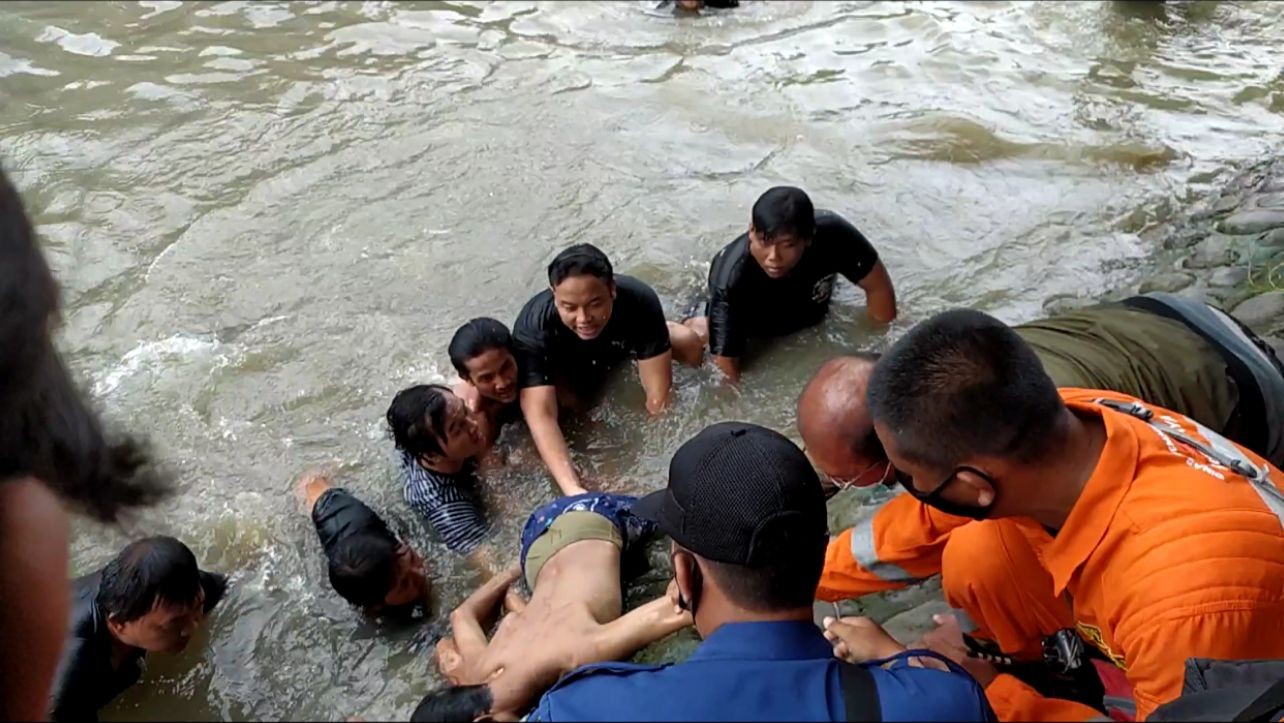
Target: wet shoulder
x,y
533,320
604,686
832,228
727,268
85,621
926,694
634,292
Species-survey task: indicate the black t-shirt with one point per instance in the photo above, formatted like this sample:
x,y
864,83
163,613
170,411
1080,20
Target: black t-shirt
x,y
744,302
549,352
338,515
85,680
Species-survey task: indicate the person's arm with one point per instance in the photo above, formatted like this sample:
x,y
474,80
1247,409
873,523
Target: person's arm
x,y
482,560
310,488
880,295
35,598
889,548
635,630
539,406
458,653
657,380
726,335
729,366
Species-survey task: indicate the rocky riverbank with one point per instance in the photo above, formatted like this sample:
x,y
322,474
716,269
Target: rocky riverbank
x,y
1229,252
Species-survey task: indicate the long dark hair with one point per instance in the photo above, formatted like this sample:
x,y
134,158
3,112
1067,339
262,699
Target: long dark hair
x,y
47,428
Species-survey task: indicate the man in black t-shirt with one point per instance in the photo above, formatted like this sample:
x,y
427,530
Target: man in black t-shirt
x,y
149,598
778,277
571,334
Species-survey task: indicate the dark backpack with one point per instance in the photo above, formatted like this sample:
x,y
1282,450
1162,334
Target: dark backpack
x,y
1227,690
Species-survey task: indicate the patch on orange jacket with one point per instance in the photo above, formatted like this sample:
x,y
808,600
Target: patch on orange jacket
x,y
1092,634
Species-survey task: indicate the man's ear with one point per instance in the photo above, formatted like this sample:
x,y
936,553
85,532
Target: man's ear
x,y
612,285
979,488
683,567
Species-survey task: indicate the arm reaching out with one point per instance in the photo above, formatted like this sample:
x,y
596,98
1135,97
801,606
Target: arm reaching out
x,y
657,380
880,295
539,406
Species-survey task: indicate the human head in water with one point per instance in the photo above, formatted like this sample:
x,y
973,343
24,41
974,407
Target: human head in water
x,y
482,352
377,572
152,597
781,229
433,426
583,284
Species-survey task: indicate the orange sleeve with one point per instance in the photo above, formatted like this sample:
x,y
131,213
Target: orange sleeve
x,y
1013,700
889,548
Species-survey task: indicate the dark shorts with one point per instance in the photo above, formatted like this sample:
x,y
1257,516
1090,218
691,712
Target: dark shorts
x,y
567,520
1250,363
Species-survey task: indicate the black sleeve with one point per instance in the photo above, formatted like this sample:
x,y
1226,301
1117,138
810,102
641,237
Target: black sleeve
x,y
854,255
649,329
214,585
726,329
338,514
73,694
531,348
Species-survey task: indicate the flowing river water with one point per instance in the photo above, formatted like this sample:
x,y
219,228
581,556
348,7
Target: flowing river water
x,y
268,217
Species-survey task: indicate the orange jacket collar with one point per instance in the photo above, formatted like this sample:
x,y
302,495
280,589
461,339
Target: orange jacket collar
x,y
1092,514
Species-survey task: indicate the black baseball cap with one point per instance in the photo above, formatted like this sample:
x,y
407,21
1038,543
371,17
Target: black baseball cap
x,y
740,494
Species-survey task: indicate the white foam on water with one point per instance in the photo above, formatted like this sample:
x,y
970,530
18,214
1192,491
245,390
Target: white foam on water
x,y
150,355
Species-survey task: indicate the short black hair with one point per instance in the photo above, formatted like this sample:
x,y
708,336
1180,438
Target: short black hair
x,y
579,260
477,337
363,567
48,429
148,572
417,419
964,384
785,585
456,704
784,210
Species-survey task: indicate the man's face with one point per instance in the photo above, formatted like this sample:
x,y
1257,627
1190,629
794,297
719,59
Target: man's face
x,y
463,438
584,303
690,4
165,629
494,373
964,491
841,468
777,255
411,582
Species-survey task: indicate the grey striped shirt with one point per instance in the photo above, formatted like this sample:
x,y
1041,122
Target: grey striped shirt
x,y
449,503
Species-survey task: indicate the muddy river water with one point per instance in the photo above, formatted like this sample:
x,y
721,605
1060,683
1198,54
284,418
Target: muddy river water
x,y
268,217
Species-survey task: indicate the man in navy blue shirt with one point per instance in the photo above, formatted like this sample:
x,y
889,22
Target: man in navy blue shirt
x,y
747,518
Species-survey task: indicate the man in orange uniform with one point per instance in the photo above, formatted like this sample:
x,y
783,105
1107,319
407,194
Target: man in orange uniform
x,y
1155,538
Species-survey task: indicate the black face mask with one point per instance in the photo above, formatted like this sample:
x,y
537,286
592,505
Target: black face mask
x,y
935,499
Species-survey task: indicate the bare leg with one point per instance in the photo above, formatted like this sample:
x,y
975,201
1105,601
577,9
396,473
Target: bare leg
x,y
636,629
688,347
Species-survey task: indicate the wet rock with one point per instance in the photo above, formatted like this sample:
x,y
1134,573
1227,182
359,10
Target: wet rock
x,y
1228,276
1212,252
909,626
1253,221
1273,185
1263,313
1273,239
1269,200
1169,282
1063,303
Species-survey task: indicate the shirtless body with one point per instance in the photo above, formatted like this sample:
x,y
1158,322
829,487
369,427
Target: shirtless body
x,y
573,617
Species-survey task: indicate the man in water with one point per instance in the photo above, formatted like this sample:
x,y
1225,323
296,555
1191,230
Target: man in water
x,y
778,277
440,441
571,334
698,5
1096,520
368,565
150,598
571,550
482,353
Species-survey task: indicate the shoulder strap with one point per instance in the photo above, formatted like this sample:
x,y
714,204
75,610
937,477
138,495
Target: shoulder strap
x,y
1266,706
860,693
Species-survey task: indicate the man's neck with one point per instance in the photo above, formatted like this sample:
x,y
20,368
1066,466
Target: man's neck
x,y
1069,467
120,651
444,466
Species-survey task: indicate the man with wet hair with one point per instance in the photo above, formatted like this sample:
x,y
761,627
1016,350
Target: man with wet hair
x,y
570,335
777,278
571,560
55,453
747,521
368,565
482,353
440,441
149,599
1097,520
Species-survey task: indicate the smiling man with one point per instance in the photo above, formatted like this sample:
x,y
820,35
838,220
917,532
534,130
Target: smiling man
x,y
149,599
777,278
571,334
482,353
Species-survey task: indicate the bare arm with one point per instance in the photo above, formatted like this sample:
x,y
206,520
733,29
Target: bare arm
x,y
539,406
636,629
657,380
478,611
35,596
483,561
730,366
880,295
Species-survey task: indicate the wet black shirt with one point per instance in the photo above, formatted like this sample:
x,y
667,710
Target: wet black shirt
x,y
338,515
745,303
85,680
548,352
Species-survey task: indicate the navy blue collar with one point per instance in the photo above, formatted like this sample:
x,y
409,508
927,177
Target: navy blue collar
x,y
793,640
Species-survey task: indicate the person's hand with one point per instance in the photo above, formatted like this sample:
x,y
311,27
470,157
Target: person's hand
x,y
674,594
946,639
859,639
311,485
449,662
